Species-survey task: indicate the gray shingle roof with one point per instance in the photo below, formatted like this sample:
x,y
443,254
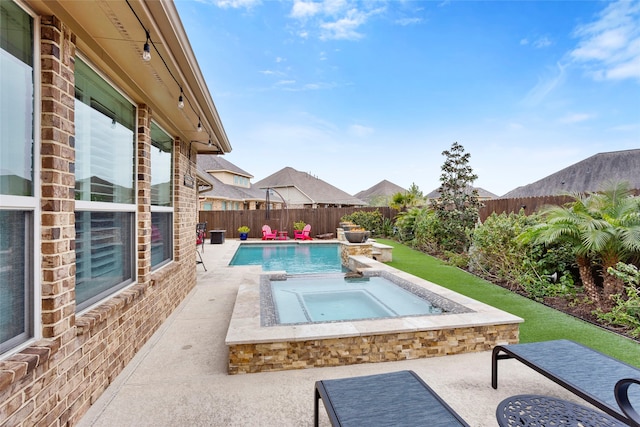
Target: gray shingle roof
x,y
383,188
482,193
589,175
317,190
212,163
221,190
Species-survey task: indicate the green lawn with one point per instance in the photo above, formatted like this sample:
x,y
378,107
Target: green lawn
x,y
541,323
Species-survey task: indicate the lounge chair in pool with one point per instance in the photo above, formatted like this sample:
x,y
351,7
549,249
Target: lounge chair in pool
x,y
267,234
303,234
399,399
593,376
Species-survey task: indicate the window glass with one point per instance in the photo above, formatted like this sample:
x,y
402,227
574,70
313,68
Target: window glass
x,y
161,196
105,143
161,238
16,100
161,171
104,254
15,278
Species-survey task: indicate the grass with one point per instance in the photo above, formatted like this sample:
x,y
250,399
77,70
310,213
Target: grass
x,y
541,323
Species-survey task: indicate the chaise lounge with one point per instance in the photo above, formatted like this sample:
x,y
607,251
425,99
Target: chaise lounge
x,y
597,378
400,399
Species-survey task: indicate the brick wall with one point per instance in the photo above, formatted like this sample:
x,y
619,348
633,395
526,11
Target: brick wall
x,y
53,381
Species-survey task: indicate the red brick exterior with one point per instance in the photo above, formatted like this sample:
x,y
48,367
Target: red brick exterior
x,y
52,382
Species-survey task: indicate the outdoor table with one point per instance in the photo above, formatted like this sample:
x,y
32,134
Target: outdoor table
x,y
217,236
537,410
283,235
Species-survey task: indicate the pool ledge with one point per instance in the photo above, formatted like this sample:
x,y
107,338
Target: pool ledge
x,y
255,348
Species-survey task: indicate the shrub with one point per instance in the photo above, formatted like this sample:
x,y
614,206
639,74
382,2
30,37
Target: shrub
x,y
626,311
299,225
499,253
371,221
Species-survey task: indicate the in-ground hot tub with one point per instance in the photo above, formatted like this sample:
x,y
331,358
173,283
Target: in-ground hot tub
x,y
257,343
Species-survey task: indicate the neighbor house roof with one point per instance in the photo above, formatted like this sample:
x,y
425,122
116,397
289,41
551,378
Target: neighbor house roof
x,y
482,193
589,175
208,166
220,164
224,191
383,189
316,190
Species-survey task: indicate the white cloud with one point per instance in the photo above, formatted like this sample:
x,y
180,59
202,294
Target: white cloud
x,y
576,117
332,19
305,9
542,42
237,4
545,86
344,28
360,131
610,46
408,21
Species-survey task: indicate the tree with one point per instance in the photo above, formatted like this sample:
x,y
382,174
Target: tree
x,y
409,199
603,229
458,205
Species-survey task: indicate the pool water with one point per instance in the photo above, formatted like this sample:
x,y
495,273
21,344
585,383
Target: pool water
x,y
294,258
329,298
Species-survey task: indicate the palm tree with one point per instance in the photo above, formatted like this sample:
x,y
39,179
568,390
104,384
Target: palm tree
x,y
603,228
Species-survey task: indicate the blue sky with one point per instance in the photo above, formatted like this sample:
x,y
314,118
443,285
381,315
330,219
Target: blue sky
x,y
355,92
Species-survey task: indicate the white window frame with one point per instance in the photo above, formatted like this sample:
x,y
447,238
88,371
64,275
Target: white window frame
x,y
32,203
89,206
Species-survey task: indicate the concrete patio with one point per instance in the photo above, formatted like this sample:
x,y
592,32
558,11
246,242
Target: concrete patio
x,y
180,376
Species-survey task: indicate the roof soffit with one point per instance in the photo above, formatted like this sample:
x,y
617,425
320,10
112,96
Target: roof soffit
x,y
110,36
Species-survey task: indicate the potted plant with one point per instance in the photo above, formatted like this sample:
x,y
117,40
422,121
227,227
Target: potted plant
x,y
244,232
299,225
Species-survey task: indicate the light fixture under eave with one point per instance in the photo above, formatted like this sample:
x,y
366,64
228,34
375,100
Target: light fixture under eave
x,y
146,51
180,100
199,125
210,144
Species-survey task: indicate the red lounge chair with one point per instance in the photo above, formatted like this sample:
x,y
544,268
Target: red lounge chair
x,y
267,234
303,234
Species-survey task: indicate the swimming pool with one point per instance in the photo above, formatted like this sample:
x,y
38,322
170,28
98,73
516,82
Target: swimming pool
x,y
294,258
327,298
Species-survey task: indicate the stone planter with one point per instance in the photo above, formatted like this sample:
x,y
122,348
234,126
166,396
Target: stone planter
x,y
356,236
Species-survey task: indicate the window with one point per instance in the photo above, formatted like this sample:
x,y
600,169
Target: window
x,y
17,206
161,197
16,102
105,188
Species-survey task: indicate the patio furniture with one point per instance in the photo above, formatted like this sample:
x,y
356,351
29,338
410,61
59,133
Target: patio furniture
x,y
217,236
303,234
391,399
267,234
586,372
622,397
201,229
535,410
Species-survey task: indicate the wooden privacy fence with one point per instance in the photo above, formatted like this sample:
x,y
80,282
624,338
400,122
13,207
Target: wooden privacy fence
x,y
325,220
529,204
322,220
